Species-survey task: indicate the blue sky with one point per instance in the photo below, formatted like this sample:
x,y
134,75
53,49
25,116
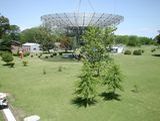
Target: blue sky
x,y
141,17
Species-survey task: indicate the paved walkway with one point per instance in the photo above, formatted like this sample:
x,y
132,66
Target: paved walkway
x,y
8,114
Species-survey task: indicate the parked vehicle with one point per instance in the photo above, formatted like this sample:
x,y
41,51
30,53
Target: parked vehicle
x,y
3,100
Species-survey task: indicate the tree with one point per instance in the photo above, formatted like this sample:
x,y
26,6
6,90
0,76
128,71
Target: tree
x,y
45,38
95,61
40,35
28,35
14,32
132,41
5,45
7,34
4,26
157,38
86,88
65,42
113,78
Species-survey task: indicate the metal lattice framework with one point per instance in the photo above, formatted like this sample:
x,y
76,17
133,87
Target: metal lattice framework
x,y
80,20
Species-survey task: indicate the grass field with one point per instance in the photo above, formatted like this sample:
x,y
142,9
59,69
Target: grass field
x,y
50,96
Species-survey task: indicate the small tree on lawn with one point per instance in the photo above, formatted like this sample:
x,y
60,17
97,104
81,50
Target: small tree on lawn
x,y
95,56
86,88
96,63
113,78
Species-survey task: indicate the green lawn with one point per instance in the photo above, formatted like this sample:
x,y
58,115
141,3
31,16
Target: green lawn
x,y
1,116
50,96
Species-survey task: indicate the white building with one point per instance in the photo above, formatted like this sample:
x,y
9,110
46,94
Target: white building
x,y
31,47
117,49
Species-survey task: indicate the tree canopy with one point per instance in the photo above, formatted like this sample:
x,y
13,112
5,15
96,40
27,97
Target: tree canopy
x,y
4,26
95,68
8,33
133,40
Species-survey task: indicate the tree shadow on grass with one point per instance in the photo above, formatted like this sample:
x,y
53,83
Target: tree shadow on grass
x,y
110,96
6,64
83,102
156,55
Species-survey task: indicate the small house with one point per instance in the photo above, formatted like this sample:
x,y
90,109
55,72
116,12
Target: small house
x,y
15,46
117,49
31,47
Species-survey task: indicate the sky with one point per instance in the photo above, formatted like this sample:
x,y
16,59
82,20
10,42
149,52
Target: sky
x,y
141,17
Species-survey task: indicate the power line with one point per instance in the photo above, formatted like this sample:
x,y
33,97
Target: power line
x,y
91,5
79,5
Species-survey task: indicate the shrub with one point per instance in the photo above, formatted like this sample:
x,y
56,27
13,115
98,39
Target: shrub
x,y
1,52
54,54
41,54
26,54
137,52
7,57
25,63
44,71
60,53
46,57
127,52
51,56
31,56
45,52
142,51
60,68
153,49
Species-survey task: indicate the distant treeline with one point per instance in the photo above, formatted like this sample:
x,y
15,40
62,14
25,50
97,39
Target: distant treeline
x,y
132,40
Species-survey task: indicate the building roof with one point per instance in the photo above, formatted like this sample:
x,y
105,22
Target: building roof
x,y
30,44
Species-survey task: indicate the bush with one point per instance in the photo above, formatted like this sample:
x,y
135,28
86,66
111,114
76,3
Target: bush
x,y
153,50
31,56
40,54
26,54
51,56
127,52
60,53
7,57
137,52
46,57
44,71
54,54
25,63
60,68
1,52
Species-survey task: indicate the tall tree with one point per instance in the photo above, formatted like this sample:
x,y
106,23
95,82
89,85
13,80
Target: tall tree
x,y
4,26
65,42
7,33
14,32
157,38
96,58
46,38
40,35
